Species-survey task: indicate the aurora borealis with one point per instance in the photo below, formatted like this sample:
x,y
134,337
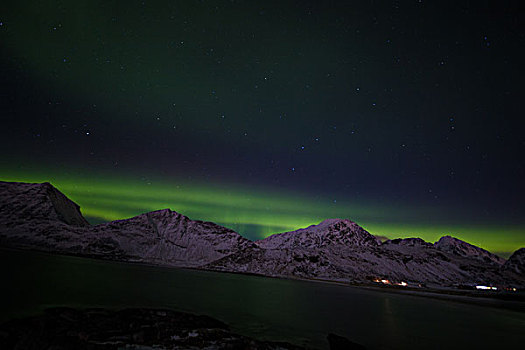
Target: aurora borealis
x,y
257,212
265,117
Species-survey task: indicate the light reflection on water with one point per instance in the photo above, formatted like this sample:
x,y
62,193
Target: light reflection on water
x,y
276,309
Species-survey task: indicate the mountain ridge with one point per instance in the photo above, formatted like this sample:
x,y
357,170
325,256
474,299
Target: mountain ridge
x,y
29,218
329,231
39,216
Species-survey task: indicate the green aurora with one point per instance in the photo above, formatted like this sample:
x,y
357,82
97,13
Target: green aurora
x,y
259,212
271,116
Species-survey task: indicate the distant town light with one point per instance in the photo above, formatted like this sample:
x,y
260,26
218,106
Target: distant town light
x,y
385,281
486,288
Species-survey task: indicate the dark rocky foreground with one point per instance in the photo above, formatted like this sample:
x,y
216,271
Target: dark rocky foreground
x,y
67,328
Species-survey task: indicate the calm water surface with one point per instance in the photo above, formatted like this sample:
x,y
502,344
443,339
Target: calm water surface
x,y
275,309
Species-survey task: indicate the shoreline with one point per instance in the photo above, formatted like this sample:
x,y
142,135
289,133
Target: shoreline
x,y
513,301
516,303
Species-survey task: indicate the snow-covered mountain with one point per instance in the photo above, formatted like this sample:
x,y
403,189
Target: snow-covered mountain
x,y
516,263
167,237
341,250
24,202
458,247
38,216
330,232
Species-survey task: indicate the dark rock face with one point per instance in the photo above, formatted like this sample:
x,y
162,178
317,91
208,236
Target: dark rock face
x,y
66,328
337,342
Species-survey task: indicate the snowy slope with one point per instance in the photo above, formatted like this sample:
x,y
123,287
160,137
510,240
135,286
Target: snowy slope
x,y
38,216
330,232
516,263
341,250
458,247
20,202
167,237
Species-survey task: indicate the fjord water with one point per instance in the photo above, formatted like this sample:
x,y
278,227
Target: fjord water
x,y
273,309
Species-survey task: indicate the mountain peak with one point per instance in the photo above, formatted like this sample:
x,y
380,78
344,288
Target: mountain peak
x,y
40,201
456,246
342,232
328,222
516,262
450,239
167,212
413,241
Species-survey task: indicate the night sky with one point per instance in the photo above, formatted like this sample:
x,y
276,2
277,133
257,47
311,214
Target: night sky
x,y
263,116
